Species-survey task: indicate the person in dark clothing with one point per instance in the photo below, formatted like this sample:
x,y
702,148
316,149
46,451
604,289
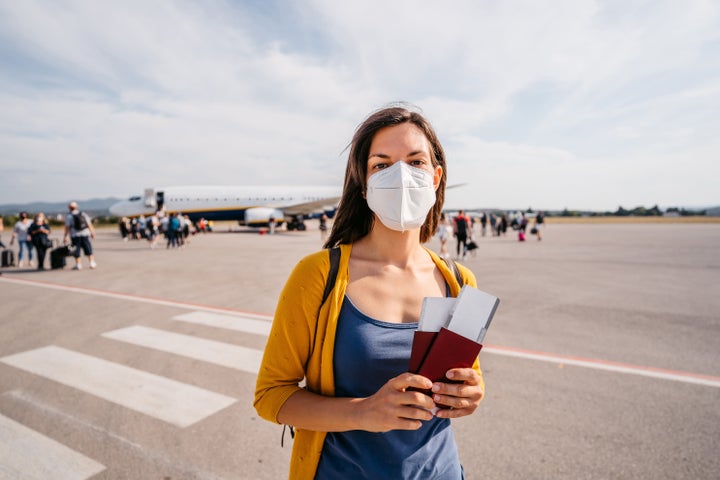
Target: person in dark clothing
x,y
462,224
174,231
539,223
503,224
38,232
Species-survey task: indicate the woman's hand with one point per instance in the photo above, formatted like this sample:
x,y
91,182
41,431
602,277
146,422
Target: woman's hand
x,y
394,407
463,398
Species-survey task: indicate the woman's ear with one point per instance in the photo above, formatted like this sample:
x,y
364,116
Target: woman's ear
x,y
437,176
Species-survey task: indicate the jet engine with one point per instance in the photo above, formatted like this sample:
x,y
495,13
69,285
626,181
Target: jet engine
x,y
260,217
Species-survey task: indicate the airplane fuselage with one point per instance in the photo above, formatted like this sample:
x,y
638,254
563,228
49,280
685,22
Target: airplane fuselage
x,y
249,205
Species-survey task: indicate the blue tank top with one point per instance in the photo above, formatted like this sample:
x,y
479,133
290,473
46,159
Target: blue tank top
x,y
368,353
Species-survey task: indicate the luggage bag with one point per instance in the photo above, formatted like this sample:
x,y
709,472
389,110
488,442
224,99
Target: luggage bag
x,y
57,257
8,258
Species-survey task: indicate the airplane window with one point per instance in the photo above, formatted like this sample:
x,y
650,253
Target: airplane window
x,y
134,199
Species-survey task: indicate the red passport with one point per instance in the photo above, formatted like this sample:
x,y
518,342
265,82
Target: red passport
x,y
447,350
450,332
420,347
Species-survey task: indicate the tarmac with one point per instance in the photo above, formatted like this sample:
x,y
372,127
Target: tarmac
x,y
602,362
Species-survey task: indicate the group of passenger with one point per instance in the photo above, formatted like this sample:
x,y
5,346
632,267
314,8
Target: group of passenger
x,y
462,227
34,236
29,235
174,227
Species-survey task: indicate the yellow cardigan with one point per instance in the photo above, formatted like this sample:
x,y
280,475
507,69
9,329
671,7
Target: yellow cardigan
x,y
301,346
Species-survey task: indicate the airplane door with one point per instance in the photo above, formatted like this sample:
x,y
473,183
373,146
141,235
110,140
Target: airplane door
x,y
160,200
149,198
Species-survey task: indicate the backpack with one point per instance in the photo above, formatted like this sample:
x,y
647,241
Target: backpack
x,y
79,221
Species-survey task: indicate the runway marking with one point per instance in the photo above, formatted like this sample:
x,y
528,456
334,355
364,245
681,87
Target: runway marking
x,y
618,367
174,402
674,375
219,353
173,467
134,298
230,322
27,454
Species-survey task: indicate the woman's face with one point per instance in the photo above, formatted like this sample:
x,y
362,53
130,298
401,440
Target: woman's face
x,y
406,143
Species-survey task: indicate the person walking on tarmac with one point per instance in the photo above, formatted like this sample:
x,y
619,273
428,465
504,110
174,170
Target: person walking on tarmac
x,y
2,227
38,232
462,225
20,233
80,230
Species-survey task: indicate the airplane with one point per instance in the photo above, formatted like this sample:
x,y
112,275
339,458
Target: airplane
x,y
249,205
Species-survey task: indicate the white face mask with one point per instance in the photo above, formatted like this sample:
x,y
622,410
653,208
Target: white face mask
x,y
401,196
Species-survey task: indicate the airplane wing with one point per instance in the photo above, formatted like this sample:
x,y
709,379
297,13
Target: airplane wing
x,y
310,207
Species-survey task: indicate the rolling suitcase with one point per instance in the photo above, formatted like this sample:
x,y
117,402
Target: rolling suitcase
x,y
8,258
57,257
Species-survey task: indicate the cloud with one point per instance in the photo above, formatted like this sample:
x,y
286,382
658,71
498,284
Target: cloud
x,y
537,103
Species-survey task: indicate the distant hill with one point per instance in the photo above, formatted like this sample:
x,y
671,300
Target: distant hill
x,y
713,211
94,207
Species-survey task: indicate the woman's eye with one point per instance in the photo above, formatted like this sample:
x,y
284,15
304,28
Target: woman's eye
x,y
417,163
379,166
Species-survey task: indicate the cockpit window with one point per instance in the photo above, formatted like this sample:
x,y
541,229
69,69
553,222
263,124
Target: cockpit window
x,y
134,199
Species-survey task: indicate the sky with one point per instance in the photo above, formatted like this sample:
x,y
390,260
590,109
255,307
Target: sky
x,y
552,104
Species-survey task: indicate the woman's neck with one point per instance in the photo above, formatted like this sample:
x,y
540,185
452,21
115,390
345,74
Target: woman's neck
x,y
391,246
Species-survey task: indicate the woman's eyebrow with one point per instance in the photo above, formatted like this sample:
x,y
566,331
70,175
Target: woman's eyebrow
x,y
386,156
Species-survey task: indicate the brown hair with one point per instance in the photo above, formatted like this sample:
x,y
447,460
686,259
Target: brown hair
x,y
354,219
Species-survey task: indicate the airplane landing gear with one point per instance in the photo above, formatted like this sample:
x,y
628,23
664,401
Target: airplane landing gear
x,y
296,222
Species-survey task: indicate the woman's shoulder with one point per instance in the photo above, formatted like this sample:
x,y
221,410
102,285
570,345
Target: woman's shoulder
x,y
320,260
312,264
311,273
467,275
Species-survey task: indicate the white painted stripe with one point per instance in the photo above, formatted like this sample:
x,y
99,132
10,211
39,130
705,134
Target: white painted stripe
x,y
172,466
229,322
165,399
676,376
28,455
219,353
689,377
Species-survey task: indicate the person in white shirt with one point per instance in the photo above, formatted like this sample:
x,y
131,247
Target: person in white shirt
x,y
78,227
20,232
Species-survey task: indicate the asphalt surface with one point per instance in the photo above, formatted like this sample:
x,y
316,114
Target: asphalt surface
x,y
603,361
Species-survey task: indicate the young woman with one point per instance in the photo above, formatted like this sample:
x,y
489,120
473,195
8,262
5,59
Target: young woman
x,y
357,415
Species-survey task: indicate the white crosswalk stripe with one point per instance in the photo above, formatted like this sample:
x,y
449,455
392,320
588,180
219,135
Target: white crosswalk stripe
x,y
162,398
28,455
231,322
218,353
